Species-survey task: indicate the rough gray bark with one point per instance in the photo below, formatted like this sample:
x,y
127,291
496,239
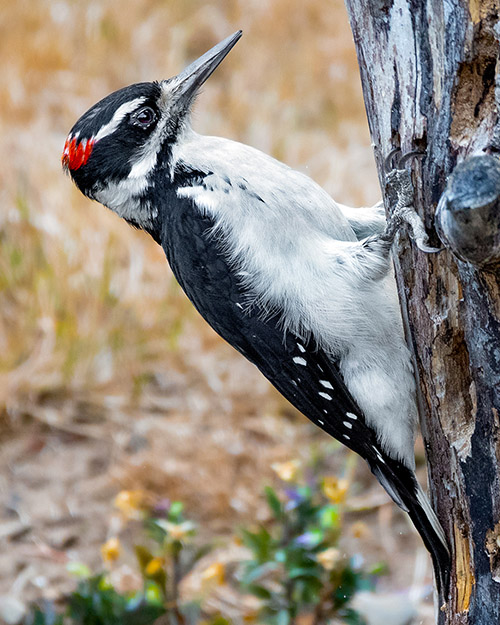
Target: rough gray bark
x,y
430,78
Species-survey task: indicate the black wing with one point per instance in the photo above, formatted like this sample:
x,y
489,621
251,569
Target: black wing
x,y
297,368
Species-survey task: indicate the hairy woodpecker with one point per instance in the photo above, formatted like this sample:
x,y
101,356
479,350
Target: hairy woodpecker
x,y
298,284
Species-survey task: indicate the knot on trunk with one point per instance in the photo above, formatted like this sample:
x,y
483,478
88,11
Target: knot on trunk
x,y
468,213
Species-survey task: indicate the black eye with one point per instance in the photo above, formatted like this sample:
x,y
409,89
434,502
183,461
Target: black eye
x,y
144,117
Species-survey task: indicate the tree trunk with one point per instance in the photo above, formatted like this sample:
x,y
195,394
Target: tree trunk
x,y
430,80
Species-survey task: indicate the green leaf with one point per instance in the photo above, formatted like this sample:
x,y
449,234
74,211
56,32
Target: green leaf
x,y
347,586
156,532
259,591
144,557
299,558
95,602
273,502
313,572
78,569
47,617
142,612
255,573
379,568
153,593
260,543
329,517
175,512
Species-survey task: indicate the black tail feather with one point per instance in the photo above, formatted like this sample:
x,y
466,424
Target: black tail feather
x,y
401,484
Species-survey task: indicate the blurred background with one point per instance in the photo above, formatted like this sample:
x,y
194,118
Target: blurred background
x,y
109,381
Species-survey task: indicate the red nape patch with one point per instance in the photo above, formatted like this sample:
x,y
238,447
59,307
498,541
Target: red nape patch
x,y
75,155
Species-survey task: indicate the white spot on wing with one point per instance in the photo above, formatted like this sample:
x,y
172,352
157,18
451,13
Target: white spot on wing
x,y
326,396
300,361
347,424
346,437
377,452
321,422
326,384
301,347
350,415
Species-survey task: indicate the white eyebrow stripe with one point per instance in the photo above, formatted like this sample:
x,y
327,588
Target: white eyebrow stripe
x,y
118,117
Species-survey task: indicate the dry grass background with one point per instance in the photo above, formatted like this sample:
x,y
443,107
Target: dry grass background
x,y
108,379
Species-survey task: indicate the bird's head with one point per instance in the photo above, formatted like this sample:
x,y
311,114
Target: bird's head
x,y
113,149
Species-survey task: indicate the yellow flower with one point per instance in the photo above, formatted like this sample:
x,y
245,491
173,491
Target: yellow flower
x,y
286,471
328,558
131,503
335,489
359,529
154,567
214,573
111,549
176,531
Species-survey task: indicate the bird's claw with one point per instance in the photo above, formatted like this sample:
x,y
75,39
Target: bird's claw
x,y
396,160
414,221
399,189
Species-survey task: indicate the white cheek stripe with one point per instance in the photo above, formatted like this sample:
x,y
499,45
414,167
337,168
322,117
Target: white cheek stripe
x,y
147,162
143,166
118,117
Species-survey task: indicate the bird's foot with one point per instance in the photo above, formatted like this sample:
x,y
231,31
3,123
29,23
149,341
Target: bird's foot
x,y
399,189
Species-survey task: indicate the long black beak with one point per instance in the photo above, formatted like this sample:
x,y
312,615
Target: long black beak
x,y
184,86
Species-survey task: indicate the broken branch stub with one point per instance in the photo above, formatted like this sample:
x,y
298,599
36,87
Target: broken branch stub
x,y
468,213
